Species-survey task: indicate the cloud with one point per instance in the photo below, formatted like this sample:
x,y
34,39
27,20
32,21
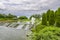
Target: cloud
x,y
27,4
2,6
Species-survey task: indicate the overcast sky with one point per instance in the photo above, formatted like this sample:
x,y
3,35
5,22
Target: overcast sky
x,y
27,7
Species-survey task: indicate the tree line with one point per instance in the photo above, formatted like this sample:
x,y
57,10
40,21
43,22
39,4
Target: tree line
x,y
51,18
10,16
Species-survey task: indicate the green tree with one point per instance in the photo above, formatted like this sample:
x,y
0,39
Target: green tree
x,y
52,18
10,16
55,15
2,15
48,13
23,17
37,16
58,17
44,19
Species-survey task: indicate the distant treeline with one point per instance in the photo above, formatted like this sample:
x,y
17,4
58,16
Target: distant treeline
x,y
10,16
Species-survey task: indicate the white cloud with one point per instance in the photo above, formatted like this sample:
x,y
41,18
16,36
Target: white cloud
x,y
26,4
2,6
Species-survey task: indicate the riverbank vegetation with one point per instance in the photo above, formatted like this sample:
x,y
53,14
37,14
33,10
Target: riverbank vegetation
x,y
49,28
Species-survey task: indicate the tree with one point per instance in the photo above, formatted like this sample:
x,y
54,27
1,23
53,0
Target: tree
x,y
58,17
52,18
2,15
10,16
48,13
44,19
55,15
22,17
37,16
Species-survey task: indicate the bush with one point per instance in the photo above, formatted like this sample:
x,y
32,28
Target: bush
x,y
38,28
48,33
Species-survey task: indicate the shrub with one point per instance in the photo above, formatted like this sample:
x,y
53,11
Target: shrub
x,y
48,33
38,28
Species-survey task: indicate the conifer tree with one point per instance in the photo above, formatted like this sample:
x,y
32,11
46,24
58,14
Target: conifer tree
x,y
58,17
48,13
44,19
52,18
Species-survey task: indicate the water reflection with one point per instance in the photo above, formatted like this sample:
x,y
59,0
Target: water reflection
x,y
12,34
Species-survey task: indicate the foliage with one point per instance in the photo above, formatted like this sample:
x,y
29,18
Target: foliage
x,y
23,17
2,15
44,19
48,13
47,33
10,16
58,17
37,16
52,18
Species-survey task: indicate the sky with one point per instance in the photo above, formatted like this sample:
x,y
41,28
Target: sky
x,y
27,7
